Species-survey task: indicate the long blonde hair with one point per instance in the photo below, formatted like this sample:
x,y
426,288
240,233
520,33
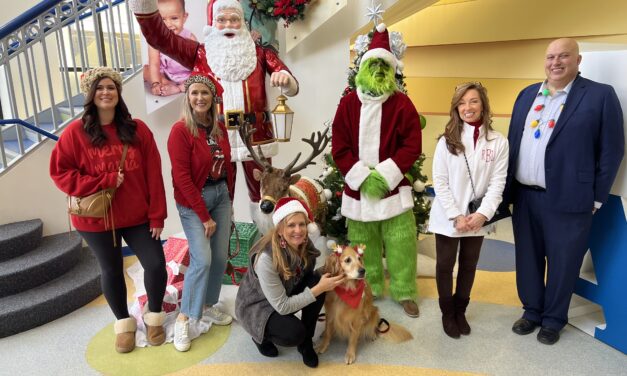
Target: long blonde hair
x,y
453,130
279,255
191,121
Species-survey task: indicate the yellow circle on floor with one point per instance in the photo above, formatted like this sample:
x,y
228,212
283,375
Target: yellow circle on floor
x,y
158,360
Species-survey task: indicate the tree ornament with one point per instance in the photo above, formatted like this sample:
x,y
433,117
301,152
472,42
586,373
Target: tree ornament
x,y
423,122
419,186
375,13
327,193
546,92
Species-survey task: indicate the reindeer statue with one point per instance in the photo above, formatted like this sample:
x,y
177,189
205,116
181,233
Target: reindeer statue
x,y
276,182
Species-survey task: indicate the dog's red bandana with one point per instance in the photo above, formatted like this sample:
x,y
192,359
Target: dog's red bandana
x,y
352,297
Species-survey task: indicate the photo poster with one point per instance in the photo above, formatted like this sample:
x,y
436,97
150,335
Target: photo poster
x,y
194,23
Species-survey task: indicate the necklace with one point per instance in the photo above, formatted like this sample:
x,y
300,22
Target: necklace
x,y
540,120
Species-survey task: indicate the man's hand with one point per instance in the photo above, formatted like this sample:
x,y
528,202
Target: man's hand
x,y
375,186
281,79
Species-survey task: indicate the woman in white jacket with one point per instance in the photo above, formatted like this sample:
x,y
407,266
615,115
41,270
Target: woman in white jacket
x,y
469,145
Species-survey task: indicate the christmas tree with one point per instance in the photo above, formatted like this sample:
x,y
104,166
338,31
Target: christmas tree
x,y
333,181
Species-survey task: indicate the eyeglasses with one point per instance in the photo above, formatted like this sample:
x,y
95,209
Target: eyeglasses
x,y
224,20
467,84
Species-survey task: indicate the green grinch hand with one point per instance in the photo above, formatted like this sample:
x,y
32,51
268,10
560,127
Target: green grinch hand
x,y
375,186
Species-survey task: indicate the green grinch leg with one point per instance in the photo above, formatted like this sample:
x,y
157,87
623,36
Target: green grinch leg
x,y
369,234
399,237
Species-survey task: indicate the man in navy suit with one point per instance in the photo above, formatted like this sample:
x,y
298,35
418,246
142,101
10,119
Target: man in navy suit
x,y
566,144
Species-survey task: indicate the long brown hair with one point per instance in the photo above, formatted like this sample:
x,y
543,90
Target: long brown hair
x,y
453,130
280,258
191,121
124,123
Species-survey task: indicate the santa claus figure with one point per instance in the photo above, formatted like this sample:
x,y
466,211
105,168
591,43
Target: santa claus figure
x,y
230,54
376,139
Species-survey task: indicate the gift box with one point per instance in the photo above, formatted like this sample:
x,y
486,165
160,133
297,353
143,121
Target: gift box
x,y
248,235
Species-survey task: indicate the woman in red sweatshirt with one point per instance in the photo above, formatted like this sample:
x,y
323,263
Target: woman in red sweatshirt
x,y
202,175
86,160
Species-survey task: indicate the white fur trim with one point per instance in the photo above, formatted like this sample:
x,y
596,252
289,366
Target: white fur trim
x,y
233,95
370,129
356,175
381,53
286,209
368,210
313,230
219,5
390,172
154,318
125,325
381,27
143,6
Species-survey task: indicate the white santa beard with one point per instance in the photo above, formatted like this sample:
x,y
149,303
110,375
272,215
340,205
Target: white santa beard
x,y
231,59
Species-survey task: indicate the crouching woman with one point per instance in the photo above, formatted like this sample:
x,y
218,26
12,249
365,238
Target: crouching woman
x,y
280,282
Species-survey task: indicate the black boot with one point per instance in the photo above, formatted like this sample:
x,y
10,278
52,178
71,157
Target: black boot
x,y
448,317
267,348
460,314
310,358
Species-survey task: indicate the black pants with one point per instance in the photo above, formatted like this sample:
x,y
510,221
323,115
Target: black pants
x,y
288,330
446,253
150,254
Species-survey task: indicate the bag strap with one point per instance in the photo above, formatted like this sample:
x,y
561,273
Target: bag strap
x,y
230,255
472,184
123,157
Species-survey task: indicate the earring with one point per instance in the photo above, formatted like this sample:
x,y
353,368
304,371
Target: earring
x,y
282,242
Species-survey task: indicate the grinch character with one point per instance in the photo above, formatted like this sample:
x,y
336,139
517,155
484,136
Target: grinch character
x,y
229,53
376,139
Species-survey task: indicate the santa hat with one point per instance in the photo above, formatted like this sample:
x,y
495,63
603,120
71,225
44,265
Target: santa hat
x,y
380,48
215,6
290,205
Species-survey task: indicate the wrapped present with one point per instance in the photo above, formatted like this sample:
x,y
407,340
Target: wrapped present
x,y
238,259
176,252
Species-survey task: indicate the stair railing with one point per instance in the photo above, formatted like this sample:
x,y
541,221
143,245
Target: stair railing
x,y
43,53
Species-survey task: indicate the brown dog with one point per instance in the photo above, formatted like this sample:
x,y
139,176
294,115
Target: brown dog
x,y
350,312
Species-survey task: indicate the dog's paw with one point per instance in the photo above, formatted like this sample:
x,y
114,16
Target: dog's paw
x,y
321,347
349,358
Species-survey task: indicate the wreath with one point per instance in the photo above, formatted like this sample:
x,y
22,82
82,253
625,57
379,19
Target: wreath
x,y
288,10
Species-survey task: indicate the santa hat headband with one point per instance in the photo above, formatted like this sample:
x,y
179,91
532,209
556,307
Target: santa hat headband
x,y
289,205
207,80
380,48
214,7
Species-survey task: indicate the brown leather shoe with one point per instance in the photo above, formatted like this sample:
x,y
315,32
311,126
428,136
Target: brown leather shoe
x,y
125,335
155,335
410,307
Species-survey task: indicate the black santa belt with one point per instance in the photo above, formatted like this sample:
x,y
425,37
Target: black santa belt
x,y
233,119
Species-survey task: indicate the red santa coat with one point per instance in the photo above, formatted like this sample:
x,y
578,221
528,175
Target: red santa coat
x,y
192,55
381,133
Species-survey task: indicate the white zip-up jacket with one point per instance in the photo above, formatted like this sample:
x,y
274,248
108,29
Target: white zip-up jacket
x,y
453,191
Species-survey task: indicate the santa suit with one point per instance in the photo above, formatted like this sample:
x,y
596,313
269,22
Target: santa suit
x,y
381,133
248,95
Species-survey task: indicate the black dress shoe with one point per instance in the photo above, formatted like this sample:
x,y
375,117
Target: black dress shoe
x,y
548,336
267,348
310,357
523,326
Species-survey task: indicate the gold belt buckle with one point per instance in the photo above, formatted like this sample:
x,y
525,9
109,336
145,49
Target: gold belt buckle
x,y
233,119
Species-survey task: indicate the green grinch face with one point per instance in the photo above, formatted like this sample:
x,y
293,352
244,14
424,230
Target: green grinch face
x,y
376,77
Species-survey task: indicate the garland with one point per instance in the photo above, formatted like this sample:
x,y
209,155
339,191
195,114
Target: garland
x,y
288,10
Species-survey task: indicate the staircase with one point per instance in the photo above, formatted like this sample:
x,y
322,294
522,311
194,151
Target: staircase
x,y
42,278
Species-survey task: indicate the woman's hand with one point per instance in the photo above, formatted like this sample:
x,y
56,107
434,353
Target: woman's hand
x,y
461,223
210,228
120,178
155,233
475,221
327,283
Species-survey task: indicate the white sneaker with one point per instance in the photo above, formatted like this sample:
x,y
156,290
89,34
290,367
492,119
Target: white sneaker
x,y
216,316
181,337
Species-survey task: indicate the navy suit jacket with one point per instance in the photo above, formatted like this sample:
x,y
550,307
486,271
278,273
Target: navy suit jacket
x,y
585,150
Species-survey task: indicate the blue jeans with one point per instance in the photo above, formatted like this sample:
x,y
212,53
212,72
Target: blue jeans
x,y
208,256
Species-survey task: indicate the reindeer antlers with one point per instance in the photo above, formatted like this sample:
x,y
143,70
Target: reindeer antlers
x,y
317,143
246,133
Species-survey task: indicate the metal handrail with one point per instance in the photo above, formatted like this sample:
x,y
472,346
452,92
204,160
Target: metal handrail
x,y
27,17
29,126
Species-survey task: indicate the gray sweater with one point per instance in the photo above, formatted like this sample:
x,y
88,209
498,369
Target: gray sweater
x,y
262,291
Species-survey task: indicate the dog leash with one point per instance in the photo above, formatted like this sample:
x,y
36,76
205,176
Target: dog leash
x,y
383,321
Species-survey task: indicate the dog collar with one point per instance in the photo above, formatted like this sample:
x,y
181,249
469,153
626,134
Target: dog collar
x,y
352,297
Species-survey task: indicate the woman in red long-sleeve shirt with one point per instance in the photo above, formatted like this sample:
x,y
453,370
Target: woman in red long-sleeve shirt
x,y
86,160
202,175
